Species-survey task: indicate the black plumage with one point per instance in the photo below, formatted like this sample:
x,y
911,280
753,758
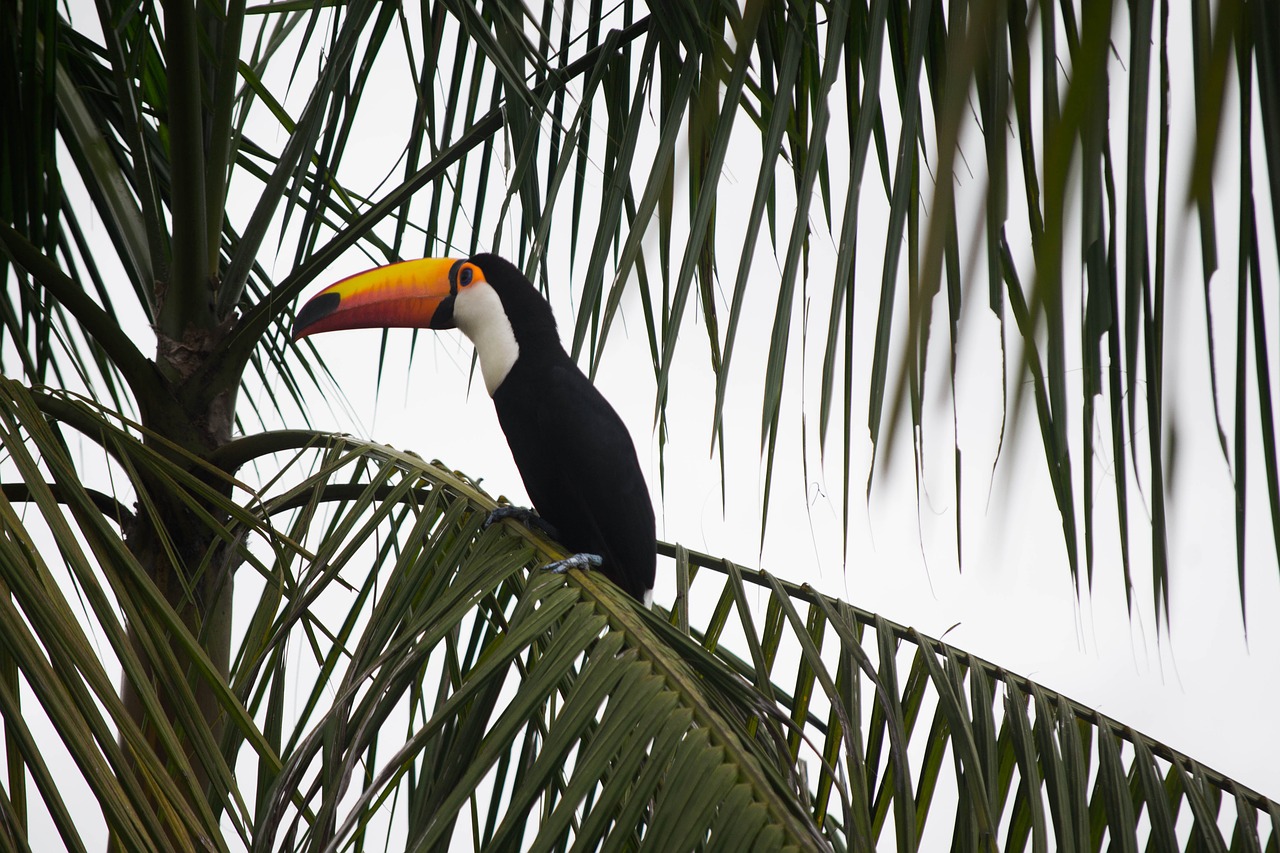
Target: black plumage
x,y
573,451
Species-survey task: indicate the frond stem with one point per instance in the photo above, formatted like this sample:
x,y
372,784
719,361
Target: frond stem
x,y
804,592
106,504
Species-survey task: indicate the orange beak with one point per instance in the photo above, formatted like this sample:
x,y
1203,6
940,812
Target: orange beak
x,y
410,294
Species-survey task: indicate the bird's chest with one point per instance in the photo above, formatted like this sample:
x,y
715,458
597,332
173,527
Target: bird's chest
x,y
527,413
567,443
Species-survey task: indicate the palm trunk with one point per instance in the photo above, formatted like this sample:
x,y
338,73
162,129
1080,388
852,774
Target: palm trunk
x,y
179,552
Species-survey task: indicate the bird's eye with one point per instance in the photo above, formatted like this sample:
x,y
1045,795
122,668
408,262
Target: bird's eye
x,y
464,276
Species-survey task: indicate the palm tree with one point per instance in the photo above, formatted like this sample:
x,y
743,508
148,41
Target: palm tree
x,y
232,635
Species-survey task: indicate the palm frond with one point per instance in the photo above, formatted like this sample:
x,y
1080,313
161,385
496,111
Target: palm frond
x,y
1026,760
447,692
480,87
451,694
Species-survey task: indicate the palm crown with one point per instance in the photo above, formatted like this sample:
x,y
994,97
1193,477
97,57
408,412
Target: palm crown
x,y
235,635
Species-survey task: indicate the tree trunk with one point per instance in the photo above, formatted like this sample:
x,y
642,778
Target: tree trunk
x,y
189,564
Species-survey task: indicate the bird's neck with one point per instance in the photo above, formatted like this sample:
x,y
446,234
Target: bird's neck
x,y
487,319
497,348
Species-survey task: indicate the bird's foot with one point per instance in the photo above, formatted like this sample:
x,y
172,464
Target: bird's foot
x,y
525,516
585,562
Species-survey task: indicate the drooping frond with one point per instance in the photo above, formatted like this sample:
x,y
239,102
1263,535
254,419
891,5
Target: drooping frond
x,y
1021,158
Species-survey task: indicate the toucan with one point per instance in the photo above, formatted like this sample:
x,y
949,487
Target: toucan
x,y
574,453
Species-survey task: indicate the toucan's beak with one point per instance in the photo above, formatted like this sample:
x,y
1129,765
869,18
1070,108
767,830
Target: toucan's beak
x,y
411,294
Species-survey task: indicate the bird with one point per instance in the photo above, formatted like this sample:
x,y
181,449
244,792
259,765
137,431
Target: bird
x,y
573,451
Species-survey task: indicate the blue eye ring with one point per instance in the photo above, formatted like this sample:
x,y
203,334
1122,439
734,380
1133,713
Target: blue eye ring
x,y
464,276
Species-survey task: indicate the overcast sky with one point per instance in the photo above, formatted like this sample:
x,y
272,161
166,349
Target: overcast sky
x,y
1013,602
1203,688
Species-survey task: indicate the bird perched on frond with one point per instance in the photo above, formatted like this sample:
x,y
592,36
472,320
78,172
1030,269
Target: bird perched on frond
x,y
575,455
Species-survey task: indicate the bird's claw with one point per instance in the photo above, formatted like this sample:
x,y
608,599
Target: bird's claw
x,y
524,515
584,562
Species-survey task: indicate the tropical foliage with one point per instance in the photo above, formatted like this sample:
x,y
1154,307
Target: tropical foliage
x,y
235,636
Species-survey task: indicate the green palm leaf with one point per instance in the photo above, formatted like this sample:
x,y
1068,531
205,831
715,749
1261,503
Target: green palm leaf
x,y
388,673
472,699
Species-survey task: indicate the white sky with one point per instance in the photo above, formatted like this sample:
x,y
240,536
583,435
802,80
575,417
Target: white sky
x,y
1013,603
1204,688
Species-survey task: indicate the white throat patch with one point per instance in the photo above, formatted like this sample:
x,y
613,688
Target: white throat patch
x,y
478,314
